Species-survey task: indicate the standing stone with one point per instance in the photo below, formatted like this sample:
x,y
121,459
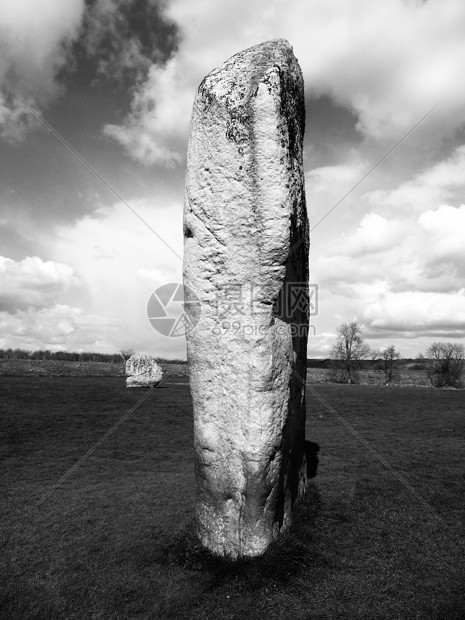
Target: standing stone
x,y
142,371
246,260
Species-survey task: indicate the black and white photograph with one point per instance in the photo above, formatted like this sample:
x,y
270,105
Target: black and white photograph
x,y
232,309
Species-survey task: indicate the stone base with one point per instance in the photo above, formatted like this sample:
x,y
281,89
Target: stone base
x,y
131,382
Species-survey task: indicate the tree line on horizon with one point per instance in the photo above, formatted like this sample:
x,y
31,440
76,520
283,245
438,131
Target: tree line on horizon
x,y
67,356
444,362
75,356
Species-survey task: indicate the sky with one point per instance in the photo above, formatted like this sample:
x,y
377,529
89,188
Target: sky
x,y
81,253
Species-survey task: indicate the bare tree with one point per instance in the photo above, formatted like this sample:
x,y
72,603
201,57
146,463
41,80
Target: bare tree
x,y
445,363
390,364
348,352
126,353
375,354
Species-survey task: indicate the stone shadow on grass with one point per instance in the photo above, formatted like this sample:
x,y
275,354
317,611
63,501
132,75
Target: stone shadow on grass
x,y
311,454
291,555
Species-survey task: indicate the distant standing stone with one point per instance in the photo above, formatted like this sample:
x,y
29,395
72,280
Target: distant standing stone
x,y
246,259
142,371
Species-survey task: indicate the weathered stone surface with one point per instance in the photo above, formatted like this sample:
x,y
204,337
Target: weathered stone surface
x,y
142,371
246,258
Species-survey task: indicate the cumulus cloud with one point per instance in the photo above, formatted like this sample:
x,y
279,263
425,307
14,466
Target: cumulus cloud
x,y
124,37
404,263
447,173
50,325
423,253
93,291
345,49
155,131
325,186
424,248
120,262
442,182
33,46
375,234
32,283
58,327
320,345
446,226
418,314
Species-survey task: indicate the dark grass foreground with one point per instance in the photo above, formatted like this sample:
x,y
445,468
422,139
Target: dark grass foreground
x,y
115,540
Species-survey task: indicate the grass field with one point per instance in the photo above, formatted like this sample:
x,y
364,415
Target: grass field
x,y
115,541
63,368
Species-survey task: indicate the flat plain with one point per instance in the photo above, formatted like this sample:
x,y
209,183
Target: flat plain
x,y
114,539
